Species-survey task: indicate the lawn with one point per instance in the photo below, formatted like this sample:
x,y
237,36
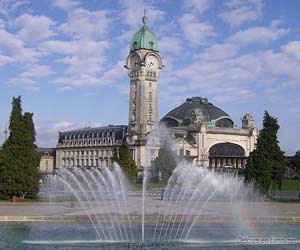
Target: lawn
x,y
290,185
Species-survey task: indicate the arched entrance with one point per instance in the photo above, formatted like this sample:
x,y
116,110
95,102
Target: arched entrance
x,y
227,155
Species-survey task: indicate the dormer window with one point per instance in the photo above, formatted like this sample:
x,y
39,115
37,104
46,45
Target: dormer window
x,y
151,44
135,45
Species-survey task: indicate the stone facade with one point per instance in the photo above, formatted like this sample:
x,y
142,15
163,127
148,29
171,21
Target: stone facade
x,y
89,147
47,162
197,144
143,70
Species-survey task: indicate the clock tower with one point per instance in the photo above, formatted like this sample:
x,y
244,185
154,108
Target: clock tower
x,y
143,64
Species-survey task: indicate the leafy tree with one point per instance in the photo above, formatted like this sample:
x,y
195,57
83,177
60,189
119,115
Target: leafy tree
x,y
18,160
115,154
125,161
164,163
266,164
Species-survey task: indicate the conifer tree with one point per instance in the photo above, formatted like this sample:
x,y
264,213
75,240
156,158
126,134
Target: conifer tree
x,y
125,161
18,159
164,163
10,158
32,157
266,164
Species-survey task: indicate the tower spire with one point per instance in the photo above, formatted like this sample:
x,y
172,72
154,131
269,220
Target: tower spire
x,y
145,18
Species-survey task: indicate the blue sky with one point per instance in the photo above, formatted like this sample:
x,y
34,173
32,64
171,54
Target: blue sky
x,y
66,60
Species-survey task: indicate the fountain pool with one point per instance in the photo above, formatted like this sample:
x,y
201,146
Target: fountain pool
x,y
79,236
197,209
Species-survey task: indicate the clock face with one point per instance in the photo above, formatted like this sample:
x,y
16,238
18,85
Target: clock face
x,y
151,62
135,63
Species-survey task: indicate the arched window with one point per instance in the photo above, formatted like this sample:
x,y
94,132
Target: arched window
x,y
224,123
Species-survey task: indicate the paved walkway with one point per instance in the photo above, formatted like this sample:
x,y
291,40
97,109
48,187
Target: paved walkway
x,y
154,206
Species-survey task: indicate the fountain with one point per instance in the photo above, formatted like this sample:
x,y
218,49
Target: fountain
x,y
193,202
104,196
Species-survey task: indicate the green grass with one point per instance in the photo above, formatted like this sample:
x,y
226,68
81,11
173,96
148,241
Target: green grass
x,y
138,186
290,185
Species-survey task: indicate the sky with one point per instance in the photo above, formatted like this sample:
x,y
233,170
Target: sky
x,y
66,59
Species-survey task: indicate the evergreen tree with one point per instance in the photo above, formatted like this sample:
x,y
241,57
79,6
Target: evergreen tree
x,y
32,158
10,158
266,164
125,161
164,163
18,160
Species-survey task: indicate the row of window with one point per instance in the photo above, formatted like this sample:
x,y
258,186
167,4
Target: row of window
x,y
86,153
86,162
151,74
89,142
135,85
89,135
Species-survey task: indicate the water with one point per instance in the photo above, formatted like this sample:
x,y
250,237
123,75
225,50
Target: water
x,y
50,236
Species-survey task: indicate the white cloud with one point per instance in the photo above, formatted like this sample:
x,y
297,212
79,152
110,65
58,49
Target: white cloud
x,y
84,60
30,76
133,11
198,6
5,59
257,34
234,95
66,5
169,44
292,49
194,31
281,64
10,6
219,52
34,28
15,48
83,23
238,12
47,130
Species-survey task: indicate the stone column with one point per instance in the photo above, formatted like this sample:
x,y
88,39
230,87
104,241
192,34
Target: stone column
x,y
239,162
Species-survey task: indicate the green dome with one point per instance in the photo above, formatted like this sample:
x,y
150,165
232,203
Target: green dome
x,y
183,115
144,39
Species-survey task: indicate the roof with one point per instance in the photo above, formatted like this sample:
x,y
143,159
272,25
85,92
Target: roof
x,y
210,114
116,131
46,151
144,39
